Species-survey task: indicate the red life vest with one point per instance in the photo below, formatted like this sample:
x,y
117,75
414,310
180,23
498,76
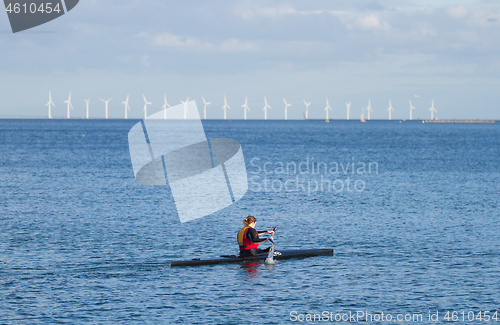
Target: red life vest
x,y
243,241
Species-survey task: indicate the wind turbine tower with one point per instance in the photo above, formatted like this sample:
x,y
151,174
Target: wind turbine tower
x,y
432,110
225,107
411,111
106,102
390,109
369,109
50,104
348,108
245,108
205,104
327,108
266,106
185,107
306,114
87,101
146,103
165,106
286,108
69,104
127,107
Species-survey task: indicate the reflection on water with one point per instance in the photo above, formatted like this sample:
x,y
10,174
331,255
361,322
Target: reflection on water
x,y
270,266
250,270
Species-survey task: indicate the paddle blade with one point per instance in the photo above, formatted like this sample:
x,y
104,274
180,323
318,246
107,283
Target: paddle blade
x,y
269,259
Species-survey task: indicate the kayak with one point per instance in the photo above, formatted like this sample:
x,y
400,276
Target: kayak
x,y
281,255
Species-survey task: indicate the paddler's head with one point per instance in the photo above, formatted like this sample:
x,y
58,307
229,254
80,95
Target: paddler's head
x,y
250,221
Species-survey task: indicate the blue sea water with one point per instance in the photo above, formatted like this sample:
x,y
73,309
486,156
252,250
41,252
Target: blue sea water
x,y
415,225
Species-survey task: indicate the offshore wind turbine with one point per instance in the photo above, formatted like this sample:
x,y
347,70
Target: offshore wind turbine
x,y
286,108
50,104
185,107
87,101
146,103
348,108
327,108
106,102
69,103
390,109
205,104
225,107
411,110
369,108
266,106
245,108
307,110
127,107
185,103
432,110
165,106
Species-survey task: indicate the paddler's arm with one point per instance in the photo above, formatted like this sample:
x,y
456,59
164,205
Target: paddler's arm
x,y
266,232
253,235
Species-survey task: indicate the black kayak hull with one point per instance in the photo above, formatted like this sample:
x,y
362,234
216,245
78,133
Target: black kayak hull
x,y
285,254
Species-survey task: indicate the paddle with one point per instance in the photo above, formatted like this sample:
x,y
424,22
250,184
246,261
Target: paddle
x,y
269,259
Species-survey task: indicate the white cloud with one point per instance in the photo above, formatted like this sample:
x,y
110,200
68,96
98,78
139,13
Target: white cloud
x,y
174,41
458,11
372,21
168,40
279,11
235,45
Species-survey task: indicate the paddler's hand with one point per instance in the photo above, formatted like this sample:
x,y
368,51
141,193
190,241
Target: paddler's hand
x,y
271,238
270,232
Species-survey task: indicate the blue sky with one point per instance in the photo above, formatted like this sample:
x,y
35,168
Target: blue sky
x,y
346,51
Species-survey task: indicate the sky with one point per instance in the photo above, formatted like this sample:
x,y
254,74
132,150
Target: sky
x,y
345,50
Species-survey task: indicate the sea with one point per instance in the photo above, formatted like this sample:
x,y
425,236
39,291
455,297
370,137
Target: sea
x,y
411,209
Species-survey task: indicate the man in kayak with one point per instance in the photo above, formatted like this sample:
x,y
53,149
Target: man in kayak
x,y
248,238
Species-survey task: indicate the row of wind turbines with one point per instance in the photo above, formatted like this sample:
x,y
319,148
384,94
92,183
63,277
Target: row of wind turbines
x,y
245,106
